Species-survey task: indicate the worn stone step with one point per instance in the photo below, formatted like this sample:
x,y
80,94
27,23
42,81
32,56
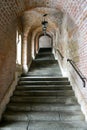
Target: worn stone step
x,y
42,107
45,53
44,57
38,78
45,72
45,50
14,125
44,87
40,73
47,61
18,116
57,125
44,93
44,125
43,116
56,116
42,76
44,63
73,115
44,83
45,99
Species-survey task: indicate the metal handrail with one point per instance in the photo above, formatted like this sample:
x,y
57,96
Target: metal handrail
x,y
60,53
78,71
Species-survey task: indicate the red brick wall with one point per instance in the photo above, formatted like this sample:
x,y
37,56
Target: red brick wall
x,y
7,62
77,9
8,23
71,44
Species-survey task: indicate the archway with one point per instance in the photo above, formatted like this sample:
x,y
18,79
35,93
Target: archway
x,y
45,41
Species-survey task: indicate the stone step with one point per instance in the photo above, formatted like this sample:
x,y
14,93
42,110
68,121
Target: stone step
x,y
44,62
57,125
15,116
14,125
42,107
45,73
44,93
44,125
38,78
43,83
39,58
41,76
45,53
44,50
44,87
44,99
42,56
43,116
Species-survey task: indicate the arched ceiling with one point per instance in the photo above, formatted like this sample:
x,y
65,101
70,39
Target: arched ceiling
x,y
76,9
29,13
33,18
14,9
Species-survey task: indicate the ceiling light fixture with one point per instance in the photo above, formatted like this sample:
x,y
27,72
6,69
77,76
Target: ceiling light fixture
x,y
44,24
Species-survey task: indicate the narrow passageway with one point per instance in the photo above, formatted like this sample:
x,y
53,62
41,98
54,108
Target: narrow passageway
x,y
45,64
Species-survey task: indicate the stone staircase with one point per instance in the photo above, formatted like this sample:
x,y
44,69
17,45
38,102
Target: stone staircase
x,y
43,100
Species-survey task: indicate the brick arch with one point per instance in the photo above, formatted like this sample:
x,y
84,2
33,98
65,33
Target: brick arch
x,y
34,41
48,35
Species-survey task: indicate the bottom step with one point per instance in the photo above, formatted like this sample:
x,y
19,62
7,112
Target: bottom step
x,y
43,116
57,126
46,125
12,125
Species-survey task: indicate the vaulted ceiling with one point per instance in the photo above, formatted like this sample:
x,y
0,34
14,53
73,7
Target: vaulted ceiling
x,y
30,12
33,18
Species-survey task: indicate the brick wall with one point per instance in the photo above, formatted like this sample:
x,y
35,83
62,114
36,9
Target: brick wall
x,y
8,23
7,62
71,44
77,10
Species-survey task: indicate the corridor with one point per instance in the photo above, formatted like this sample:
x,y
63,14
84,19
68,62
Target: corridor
x,y
43,64
43,99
